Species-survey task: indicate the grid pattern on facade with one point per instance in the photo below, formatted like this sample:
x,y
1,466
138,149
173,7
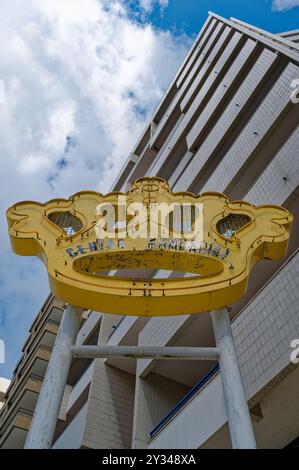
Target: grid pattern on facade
x,y
231,224
221,91
265,329
273,105
220,65
229,115
188,87
213,56
158,332
202,42
281,176
67,221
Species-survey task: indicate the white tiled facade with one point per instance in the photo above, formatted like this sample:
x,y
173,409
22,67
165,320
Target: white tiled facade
x,y
270,185
273,105
226,124
265,328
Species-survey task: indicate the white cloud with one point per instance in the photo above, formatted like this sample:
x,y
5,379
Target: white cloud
x,y
148,5
78,71
2,92
281,5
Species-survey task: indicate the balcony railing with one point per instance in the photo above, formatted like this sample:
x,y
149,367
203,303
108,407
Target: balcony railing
x,y
194,390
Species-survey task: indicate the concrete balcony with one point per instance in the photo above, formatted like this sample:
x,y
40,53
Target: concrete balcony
x,y
126,334
25,400
80,386
126,331
90,324
44,337
88,335
15,435
72,437
52,309
52,318
36,365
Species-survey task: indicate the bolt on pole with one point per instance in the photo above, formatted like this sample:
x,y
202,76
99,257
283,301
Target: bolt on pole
x,y
40,435
241,431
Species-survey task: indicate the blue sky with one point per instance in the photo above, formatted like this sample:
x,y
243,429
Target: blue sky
x,y
80,79
189,15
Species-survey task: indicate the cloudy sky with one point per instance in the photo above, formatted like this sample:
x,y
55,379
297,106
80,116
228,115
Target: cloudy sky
x,y
78,81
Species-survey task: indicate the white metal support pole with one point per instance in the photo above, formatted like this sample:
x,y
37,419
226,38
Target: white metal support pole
x,y
240,425
146,352
40,435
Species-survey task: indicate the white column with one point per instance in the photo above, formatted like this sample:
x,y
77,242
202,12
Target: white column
x,y
240,425
40,435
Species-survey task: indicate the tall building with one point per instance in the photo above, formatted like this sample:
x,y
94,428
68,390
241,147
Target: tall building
x,y
227,123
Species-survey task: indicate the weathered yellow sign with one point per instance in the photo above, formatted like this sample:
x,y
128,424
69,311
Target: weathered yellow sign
x,y
213,241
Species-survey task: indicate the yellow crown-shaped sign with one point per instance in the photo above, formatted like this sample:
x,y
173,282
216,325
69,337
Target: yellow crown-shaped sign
x,y
214,241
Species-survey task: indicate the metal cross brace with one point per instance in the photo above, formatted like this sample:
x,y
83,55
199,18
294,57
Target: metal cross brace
x,y
146,352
